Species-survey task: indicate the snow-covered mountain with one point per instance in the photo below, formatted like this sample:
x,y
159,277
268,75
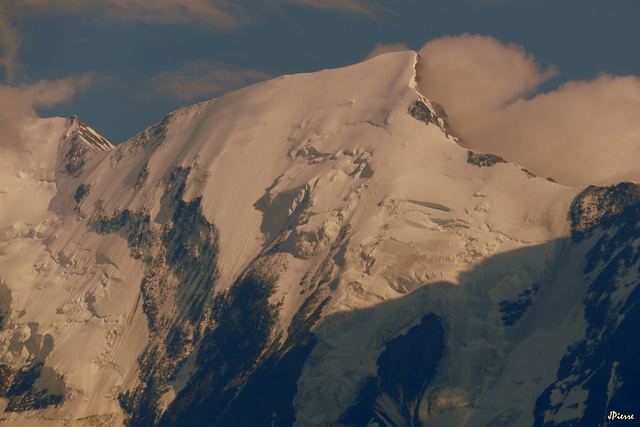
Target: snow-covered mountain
x,y
314,250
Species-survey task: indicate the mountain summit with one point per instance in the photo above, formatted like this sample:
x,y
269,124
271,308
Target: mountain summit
x,y
314,250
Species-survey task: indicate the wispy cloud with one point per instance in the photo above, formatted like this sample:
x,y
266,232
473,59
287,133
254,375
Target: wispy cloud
x,y
209,15
386,48
481,2
218,13
9,45
212,14
584,132
204,78
366,8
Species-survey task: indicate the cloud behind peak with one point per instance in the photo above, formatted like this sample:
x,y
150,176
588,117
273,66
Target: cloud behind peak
x,y
584,132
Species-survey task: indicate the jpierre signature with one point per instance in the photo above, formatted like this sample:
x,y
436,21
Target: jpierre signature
x,y
613,415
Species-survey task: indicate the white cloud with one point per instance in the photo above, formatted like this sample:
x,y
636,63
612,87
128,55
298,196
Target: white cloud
x,y
585,132
205,78
18,104
477,73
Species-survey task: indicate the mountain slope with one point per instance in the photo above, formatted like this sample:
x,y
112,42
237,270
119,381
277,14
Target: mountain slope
x,y
318,248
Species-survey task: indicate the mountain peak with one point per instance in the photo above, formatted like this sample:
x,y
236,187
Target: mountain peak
x,y
320,235
89,137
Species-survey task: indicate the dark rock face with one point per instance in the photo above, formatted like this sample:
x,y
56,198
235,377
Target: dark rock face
x,y
599,206
419,111
141,179
484,160
74,159
179,274
512,310
5,303
82,192
20,389
603,364
405,369
92,138
23,387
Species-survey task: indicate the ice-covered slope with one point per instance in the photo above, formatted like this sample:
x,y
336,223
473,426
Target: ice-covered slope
x,y
318,248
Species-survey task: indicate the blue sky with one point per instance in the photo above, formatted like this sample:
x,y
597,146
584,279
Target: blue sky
x,y
140,59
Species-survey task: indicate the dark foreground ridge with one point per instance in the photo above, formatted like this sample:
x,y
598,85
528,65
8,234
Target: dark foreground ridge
x,y
603,364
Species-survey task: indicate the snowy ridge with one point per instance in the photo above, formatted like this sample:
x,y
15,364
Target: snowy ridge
x,y
313,229
54,279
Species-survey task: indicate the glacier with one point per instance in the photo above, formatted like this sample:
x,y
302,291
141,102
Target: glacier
x,y
318,249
